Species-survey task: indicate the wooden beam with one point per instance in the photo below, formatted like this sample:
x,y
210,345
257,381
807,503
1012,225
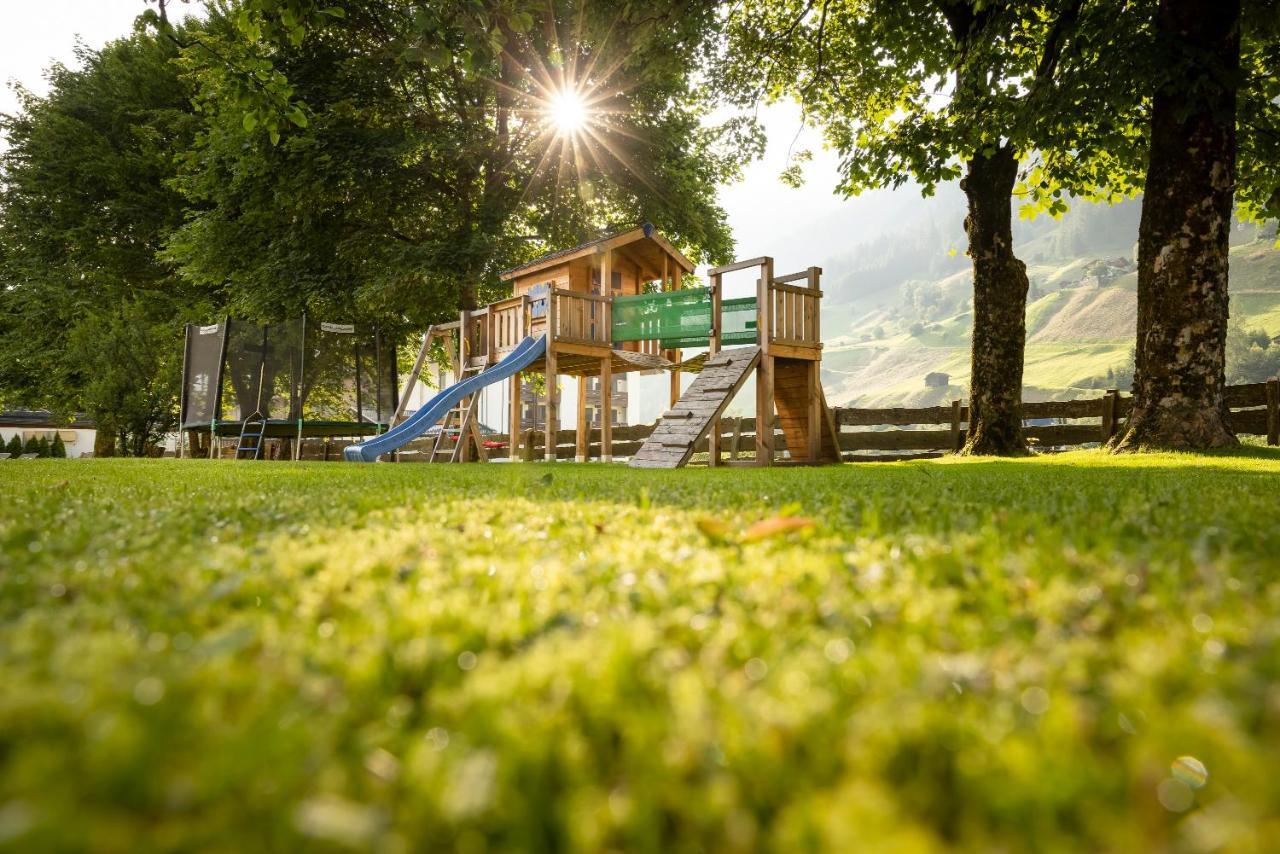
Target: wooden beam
x,y
713,347
606,409
553,414
765,371
584,428
741,265
513,416
815,412
412,381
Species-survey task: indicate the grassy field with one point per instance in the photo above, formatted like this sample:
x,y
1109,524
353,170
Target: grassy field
x,y
1070,653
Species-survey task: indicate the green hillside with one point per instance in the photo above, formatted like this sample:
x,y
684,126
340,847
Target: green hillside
x,y
1081,315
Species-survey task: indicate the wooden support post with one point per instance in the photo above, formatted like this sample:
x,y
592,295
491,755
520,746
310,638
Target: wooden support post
x,y
1273,411
606,272
736,440
527,445
583,435
713,347
957,438
814,393
553,394
676,283
765,372
1109,414
606,409
513,419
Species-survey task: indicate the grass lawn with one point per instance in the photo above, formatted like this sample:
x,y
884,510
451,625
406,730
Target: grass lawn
x,y
1073,653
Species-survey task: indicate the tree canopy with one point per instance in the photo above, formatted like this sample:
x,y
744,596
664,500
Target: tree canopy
x,y
87,206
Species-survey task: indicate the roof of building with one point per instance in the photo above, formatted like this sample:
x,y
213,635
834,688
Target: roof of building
x,y
644,229
38,418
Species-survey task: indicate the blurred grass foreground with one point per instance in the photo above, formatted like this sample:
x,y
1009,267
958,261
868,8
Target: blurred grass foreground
x,y
1067,653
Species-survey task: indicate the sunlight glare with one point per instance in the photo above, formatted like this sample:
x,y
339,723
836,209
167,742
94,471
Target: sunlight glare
x,y
568,111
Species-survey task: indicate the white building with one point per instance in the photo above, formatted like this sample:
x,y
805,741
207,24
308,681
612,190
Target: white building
x,y
26,424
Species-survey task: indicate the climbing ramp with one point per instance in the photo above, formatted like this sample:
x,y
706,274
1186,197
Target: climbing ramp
x,y
671,443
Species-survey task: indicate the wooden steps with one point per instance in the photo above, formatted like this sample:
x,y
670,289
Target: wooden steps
x,y
672,441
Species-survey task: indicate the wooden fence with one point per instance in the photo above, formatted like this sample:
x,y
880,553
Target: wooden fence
x,y
880,435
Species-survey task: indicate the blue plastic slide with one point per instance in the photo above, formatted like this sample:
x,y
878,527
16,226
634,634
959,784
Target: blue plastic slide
x,y
525,354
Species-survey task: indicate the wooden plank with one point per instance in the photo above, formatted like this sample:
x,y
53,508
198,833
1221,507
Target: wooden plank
x,y
786,350
1250,394
716,272
957,440
1250,422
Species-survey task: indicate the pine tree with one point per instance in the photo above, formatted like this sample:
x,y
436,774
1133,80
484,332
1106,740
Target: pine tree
x,y
58,448
42,447
15,446
32,446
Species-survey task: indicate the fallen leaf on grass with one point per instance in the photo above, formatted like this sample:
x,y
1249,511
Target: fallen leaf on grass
x,y
778,525
712,528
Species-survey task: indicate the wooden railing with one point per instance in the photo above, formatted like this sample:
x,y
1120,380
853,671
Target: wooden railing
x,y
580,318
795,315
475,338
507,321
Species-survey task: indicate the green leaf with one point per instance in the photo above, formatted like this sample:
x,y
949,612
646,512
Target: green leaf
x,y
298,117
250,121
521,22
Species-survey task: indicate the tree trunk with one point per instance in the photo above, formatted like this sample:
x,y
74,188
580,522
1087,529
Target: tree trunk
x,y
1180,376
999,308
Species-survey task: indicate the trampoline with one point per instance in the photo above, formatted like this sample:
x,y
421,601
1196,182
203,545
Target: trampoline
x,y
294,380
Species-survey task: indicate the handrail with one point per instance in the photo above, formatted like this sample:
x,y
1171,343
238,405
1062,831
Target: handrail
x,y
739,265
809,274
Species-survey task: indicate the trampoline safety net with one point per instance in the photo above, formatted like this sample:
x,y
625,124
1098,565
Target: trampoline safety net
x,y
682,318
295,373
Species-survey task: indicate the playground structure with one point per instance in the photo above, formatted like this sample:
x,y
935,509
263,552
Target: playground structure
x,y
287,382
617,304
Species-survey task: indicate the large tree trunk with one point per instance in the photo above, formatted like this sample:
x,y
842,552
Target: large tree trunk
x,y
999,308
1180,376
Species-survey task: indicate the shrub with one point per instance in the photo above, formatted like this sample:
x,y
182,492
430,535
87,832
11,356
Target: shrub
x,y
32,446
15,445
58,448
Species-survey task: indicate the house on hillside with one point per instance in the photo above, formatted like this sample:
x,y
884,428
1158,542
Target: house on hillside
x,y
78,436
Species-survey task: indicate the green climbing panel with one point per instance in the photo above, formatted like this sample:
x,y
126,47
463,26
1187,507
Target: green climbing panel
x,y
682,318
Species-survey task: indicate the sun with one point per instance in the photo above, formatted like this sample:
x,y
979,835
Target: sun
x,y
568,111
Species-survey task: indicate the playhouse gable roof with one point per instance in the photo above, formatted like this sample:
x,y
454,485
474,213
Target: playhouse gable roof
x,y
613,240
